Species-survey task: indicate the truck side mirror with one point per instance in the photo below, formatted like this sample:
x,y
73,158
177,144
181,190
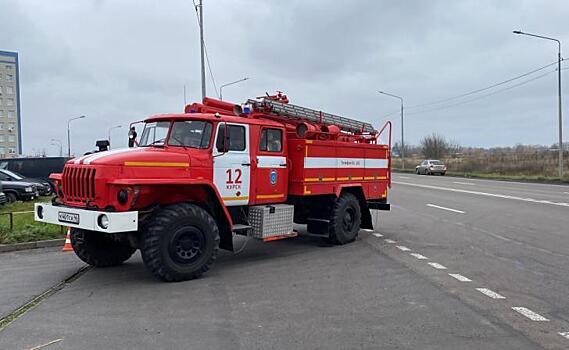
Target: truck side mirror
x,y
222,139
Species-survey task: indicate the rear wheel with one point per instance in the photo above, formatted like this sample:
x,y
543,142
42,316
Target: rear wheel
x,y
180,243
345,219
99,248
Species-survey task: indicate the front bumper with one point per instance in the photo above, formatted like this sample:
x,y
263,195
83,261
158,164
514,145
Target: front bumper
x,y
126,221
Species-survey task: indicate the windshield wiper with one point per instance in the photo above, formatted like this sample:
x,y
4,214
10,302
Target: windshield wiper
x,y
154,143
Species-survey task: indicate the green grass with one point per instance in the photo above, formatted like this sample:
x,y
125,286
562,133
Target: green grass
x,y
25,228
492,176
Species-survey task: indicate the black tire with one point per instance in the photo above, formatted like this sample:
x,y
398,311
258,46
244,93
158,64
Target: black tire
x,y
180,242
99,249
345,219
417,171
11,197
443,174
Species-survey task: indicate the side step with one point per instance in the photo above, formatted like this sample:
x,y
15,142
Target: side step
x,y
240,227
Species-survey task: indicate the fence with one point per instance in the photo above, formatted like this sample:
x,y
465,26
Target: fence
x,y
20,226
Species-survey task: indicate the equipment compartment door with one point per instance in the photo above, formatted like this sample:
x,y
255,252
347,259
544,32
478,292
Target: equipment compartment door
x,y
271,174
232,163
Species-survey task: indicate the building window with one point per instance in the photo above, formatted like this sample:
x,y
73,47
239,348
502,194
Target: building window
x,y
11,114
9,77
9,90
12,150
8,66
11,138
0,90
1,103
10,102
1,126
11,127
2,150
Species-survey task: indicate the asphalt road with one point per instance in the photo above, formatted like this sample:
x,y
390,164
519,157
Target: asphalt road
x,y
506,245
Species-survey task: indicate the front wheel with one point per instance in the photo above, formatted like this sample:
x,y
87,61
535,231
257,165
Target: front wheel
x,y
11,197
180,243
99,249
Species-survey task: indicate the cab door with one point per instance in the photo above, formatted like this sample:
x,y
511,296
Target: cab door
x,y
232,163
271,173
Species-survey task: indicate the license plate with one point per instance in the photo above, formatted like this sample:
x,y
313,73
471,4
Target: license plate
x,y
70,218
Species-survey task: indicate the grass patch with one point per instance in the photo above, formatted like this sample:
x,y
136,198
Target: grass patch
x,y
25,228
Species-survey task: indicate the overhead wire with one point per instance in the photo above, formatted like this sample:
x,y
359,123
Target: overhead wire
x,y
474,91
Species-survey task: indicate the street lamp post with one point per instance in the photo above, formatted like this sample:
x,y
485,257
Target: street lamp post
x,y
402,139
60,146
69,135
224,85
111,129
519,32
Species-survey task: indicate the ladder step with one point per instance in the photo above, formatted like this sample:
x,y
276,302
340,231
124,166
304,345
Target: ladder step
x,y
240,227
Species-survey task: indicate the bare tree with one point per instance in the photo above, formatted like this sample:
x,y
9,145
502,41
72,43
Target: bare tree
x,y
434,146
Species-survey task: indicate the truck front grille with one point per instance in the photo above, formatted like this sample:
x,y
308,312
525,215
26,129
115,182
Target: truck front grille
x,y
78,183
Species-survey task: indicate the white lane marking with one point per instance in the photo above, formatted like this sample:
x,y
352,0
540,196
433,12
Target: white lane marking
x,y
464,183
437,266
478,193
403,248
407,178
564,334
445,208
46,344
490,293
529,314
419,256
378,235
460,277
566,192
390,241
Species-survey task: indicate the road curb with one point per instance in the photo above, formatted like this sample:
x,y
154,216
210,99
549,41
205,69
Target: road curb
x,y
5,248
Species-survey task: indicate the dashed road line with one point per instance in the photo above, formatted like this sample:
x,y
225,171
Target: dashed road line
x,y
564,334
404,177
464,183
460,277
437,266
378,235
490,293
486,194
529,314
46,344
445,208
403,248
419,256
390,241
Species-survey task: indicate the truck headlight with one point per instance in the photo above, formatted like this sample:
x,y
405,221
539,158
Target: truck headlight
x,y
103,221
28,189
122,196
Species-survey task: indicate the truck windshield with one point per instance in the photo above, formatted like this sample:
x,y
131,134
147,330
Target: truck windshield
x,y
154,134
190,133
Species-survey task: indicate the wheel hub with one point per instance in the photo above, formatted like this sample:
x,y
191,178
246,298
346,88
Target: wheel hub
x,y
187,245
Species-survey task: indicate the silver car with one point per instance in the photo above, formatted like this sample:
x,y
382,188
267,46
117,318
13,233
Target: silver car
x,y
430,167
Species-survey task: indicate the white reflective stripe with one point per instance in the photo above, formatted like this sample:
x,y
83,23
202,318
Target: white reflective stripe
x,y
376,163
78,160
332,162
99,155
320,162
271,162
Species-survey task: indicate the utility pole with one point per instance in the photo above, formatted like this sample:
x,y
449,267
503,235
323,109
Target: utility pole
x,y
402,133
202,49
559,59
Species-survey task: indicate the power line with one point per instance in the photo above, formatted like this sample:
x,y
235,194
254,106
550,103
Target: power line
x,y
475,91
485,95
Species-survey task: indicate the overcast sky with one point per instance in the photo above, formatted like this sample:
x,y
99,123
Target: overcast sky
x,y
120,61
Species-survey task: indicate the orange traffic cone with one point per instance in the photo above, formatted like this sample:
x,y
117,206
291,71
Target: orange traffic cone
x,y
67,246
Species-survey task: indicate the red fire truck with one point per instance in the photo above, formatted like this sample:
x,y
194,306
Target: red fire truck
x,y
220,169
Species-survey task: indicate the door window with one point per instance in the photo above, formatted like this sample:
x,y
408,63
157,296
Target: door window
x,y
233,141
271,140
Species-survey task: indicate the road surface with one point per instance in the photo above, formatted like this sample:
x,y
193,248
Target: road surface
x,y
456,264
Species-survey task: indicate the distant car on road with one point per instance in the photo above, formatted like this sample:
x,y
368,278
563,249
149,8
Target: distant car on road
x,y
431,167
43,186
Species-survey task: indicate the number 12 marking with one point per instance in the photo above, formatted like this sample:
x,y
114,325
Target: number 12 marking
x,y
230,172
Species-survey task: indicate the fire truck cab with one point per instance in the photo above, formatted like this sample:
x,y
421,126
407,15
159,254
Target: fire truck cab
x,y
216,170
